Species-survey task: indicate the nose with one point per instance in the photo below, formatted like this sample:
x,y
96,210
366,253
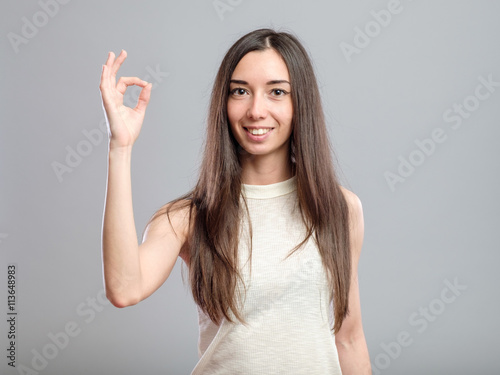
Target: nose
x,y
257,109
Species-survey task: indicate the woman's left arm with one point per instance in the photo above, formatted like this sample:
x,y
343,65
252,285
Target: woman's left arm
x,y
350,339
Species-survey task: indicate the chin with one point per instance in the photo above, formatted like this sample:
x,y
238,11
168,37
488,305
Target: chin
x,y
253,152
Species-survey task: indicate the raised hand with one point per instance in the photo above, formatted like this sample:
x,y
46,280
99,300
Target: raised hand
x,y
124,123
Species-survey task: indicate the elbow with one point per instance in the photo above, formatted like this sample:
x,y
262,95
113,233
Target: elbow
x,y
121,294
121,301
351,341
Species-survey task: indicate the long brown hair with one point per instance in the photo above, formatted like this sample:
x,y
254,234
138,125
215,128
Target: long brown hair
x,y
214,203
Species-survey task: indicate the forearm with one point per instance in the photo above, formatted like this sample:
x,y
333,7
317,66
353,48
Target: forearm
x,y
354,358
120,248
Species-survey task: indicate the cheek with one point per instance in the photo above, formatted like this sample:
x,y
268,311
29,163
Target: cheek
x,y
233,118
286,114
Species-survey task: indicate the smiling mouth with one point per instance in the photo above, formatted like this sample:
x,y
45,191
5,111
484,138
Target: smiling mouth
x,y
260,131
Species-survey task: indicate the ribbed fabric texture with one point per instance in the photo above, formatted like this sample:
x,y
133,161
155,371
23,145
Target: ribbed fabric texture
x,y
286,305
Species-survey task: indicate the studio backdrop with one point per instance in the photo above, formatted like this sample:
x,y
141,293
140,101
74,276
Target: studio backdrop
x,y
411,94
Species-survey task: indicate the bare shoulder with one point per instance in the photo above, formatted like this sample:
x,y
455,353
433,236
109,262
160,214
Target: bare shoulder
x,y
172,215
170,221
352,199
356,219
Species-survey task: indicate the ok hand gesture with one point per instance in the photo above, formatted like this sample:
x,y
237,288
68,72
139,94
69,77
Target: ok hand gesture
x,y
124,123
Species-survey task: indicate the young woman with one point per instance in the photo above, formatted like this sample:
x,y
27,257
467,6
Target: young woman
x,y
271,240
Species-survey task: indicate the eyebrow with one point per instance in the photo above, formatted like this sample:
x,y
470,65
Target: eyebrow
x,y
273,82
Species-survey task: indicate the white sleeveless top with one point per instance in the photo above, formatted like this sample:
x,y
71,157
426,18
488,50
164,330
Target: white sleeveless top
x,y
286,305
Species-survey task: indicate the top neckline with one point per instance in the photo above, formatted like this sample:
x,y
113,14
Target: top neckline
x,y
269,191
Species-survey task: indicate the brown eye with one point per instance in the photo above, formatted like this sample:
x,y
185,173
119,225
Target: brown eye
x,y
238,91
279,92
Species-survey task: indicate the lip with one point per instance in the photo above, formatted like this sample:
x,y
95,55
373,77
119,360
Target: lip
x,y
257,138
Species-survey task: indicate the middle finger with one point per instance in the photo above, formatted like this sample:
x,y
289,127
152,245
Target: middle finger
x,y
118,62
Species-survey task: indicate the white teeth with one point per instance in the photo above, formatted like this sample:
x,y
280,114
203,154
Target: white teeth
x,y
258,131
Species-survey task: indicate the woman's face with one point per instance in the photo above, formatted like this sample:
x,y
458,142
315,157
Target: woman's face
x,y
259,107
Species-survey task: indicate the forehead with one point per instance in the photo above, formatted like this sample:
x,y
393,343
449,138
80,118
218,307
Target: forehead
x,y
263,65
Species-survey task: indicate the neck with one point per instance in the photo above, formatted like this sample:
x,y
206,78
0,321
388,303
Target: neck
x,y
265,170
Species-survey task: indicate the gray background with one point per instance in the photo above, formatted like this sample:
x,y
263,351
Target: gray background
x,y
440,224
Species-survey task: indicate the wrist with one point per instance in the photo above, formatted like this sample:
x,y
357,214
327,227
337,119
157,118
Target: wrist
x,y
112,145
120,151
